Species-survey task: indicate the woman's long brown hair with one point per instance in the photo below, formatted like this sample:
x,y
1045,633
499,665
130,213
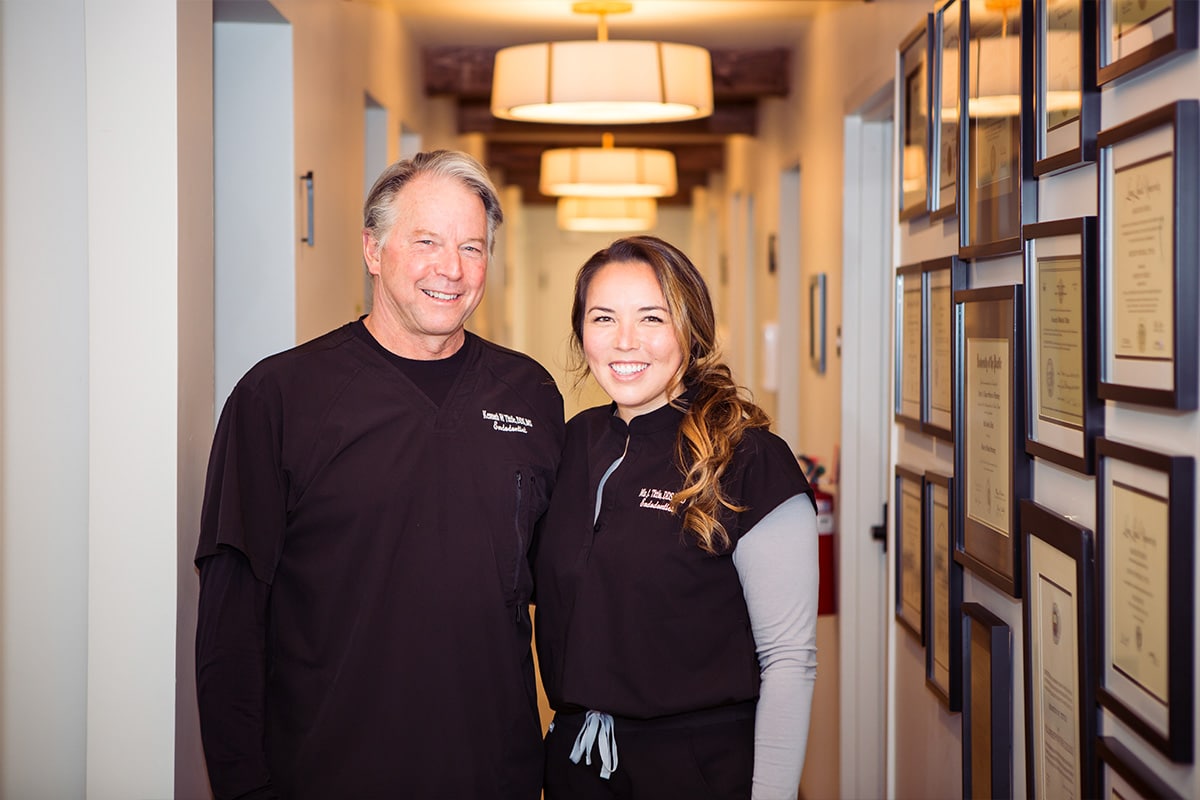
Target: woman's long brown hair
x,y
718,412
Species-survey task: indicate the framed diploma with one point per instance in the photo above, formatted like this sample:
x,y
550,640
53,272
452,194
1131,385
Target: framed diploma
x,y
1148,252
1123,776
997,188
1136,35
1067,102
943,594
990,463
914,114
910,377
1146,518
1060,708
1063,414
945,95
987,704
940,277
910,552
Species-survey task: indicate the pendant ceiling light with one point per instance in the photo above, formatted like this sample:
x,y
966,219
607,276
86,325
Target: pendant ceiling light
x,y
613,214
607,171
602,82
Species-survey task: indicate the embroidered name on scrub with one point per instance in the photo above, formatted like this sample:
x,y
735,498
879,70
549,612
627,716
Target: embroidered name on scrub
x,y
507,422
656,498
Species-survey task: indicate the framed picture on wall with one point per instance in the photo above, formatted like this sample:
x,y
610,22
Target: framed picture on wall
x,y
945,95
1146,518
910,375
987,727
990,464
943,593
910,552
1138,34
914,116
1067,101
995,135
940,276
1063,413
1060,708
1123,775
1149,245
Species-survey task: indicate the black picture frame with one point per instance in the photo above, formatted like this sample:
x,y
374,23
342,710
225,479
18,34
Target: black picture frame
x,y
1144,41
1148,592
909,321
913,131
996,139
939,278
987,726
1123,775
1067,101
943,593
989,416
909,551
945,103
1137,362
1060,706
1063,412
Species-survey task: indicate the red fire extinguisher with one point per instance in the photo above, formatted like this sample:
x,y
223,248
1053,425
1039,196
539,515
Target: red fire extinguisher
x,y
826,528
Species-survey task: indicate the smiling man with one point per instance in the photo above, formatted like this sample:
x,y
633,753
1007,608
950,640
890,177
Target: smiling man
x,y
364,627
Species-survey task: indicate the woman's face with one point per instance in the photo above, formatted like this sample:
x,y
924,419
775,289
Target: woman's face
x,y
628,338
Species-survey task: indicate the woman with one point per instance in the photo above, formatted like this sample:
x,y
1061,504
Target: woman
x,y
676,566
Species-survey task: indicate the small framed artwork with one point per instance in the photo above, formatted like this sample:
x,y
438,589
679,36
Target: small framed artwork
x,y
816,322
990,464
1146,519
910,552
910,377
1149,244
914,113
995,132
945,95
940,276
1063,413
1060,708
1067,101
987,727
1122,775
943,594
1136,35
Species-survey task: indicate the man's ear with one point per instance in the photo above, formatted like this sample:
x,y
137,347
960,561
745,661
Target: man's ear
x,y
371,249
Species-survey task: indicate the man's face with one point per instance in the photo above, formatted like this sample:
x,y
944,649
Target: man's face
x,y
432,268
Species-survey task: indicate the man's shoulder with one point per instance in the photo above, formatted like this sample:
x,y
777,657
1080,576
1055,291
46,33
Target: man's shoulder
x,y
497,356
323,355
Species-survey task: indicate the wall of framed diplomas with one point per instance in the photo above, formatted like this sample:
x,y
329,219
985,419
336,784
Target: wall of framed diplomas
x,y
1045,398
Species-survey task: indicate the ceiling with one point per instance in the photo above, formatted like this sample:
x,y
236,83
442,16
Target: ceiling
x,y
750,40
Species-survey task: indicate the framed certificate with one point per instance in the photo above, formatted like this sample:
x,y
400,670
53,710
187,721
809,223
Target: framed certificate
x,y
1146,519
1060,707
990,463
945,102
1123,776
940,277
914,114
987,726
1148,253
943,594
910,377
910,552
1067,102
1136,35
1063,414
995,135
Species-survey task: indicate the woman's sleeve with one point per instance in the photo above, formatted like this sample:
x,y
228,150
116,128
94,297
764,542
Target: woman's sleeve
x,y
776,561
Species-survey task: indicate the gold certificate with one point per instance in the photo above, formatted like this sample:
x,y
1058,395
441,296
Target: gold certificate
x,y
1138,579
987,406
910,554
1143,260
940,523
1060,340
1131,13
940,337
910,372
993,150
1063,72
1057,690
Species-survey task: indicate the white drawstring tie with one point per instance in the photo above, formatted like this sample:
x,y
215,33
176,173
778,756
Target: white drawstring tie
x,y
597,729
